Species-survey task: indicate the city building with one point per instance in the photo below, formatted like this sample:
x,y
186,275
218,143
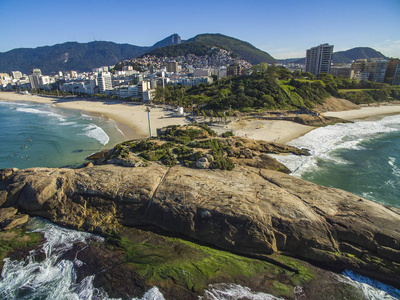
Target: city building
x,y
34,80
16,75
391,70
37,72
343,70
396,77
373,70
234,70
318,59
104,82
172,67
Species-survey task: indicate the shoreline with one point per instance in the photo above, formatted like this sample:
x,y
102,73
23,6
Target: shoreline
x,y
132,120
366,113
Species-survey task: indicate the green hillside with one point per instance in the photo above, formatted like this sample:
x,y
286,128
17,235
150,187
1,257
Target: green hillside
x,y
68,56
196,48
355,53
201,44
243,49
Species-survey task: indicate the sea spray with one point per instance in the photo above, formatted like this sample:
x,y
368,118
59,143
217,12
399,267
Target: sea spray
x,y
53,277
372,289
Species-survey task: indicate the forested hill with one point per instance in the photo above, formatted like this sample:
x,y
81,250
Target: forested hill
x,y
68,56
356,53
260,89
200,45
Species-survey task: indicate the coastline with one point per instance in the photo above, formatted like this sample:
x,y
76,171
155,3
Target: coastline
x,y
132,118
366,112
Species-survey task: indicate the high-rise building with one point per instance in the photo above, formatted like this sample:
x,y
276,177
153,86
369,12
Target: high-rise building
x,y
104,82
373,70
37,72
172,66
391,70
396,77
16,74
34,80
318,59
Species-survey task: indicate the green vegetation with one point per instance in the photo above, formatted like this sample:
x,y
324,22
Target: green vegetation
x,y
201,45
167,262
196,48
242,49
17,242
81,56
260,89
177,144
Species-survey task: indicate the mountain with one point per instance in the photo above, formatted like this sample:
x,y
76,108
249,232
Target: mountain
x,y
201,43
173,39
84,57
343,57
68,56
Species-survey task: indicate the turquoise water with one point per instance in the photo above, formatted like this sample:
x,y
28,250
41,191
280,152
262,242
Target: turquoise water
x,y
41,135
362,158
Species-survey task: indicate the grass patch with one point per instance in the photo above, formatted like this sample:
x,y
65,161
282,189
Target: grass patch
x,y
173,261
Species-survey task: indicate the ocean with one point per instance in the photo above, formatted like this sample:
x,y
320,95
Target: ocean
x,y
42,135
362,157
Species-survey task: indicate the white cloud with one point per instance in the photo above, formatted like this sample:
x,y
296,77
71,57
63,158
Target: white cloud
x,y
388,48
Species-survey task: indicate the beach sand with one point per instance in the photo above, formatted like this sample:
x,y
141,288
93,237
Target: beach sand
x,y
132,119
366,112
277,131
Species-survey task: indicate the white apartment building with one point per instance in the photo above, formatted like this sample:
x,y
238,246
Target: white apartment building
x,y
104,82
318,59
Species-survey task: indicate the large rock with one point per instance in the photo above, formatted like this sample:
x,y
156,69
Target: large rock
x,y
248,210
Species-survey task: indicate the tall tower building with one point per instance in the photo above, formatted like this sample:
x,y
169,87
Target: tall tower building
x,y
318,59
172,66
104,82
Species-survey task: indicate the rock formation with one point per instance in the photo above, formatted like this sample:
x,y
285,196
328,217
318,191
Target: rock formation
x,y
249,211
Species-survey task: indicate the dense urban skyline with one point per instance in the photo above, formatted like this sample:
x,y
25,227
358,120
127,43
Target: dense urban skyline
x,y
283,29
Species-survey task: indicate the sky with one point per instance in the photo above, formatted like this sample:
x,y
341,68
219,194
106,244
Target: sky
x,y
283,28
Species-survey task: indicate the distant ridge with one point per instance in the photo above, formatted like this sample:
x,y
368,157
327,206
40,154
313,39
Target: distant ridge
x,y
81,57
343,57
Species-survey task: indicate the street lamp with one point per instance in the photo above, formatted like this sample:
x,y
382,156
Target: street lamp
x,y
148,117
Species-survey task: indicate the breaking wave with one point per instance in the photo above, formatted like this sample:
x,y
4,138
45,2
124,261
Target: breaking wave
x,y
95,132
323,142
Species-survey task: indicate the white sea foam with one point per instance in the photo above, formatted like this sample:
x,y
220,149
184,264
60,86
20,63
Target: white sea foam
x,y
95,132
51,278
152,294
41,112
66,123
323,141
234,291
372,289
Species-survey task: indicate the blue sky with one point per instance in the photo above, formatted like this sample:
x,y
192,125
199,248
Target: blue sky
x,y
281,28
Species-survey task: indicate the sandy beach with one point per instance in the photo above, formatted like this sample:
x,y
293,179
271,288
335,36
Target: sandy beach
x,y
132,119
366,112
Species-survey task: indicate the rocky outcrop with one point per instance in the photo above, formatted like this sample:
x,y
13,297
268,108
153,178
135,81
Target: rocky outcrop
x,y
249,211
